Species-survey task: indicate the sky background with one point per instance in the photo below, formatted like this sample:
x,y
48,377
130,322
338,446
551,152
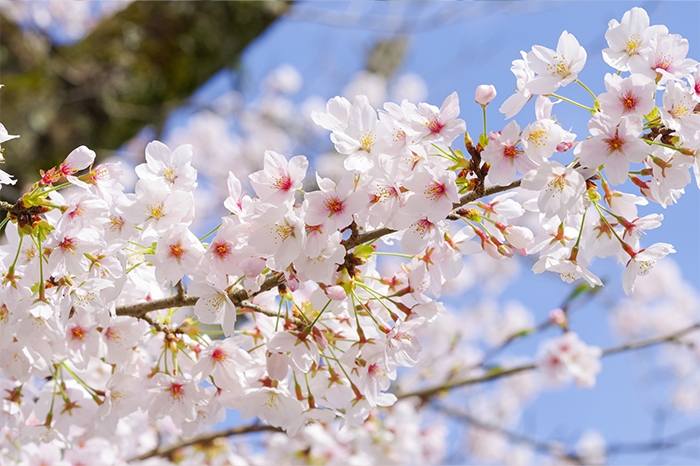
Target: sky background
x,y
456,46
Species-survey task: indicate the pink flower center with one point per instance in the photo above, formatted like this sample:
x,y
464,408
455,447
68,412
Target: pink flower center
x,y
112,335
66,170
663,62
177,251
219,355
435,191
313,229
435,125
77,333
629,101
511,152
422,226
177,391
67,245
333,205
615,143
222,249
283,183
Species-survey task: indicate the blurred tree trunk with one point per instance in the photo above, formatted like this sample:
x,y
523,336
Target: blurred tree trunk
x,y
130,72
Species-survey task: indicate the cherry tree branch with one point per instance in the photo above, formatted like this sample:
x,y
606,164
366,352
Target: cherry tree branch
x,y
548,447
557,449
204,439
238,297
496,373
355,240
651,341
584,289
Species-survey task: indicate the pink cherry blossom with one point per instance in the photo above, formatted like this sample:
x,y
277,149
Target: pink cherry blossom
x,y
279,179
629,38
615,143
555,68
505,155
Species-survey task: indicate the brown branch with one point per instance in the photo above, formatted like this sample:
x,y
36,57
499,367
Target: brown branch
x,y
584,289
141,309
204,439
238,297
356,240
474,195
498,373
491,375
651,341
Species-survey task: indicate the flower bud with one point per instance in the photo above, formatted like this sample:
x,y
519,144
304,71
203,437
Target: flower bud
x,y
484,94
564,146
335,292
558,317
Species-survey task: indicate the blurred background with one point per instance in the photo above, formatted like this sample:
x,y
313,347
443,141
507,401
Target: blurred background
x,y
237,78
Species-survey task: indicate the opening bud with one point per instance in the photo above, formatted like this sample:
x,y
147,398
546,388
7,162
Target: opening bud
x,y
484,94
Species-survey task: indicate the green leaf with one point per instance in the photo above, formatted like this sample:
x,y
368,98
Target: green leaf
x,y
41,230
654,114
363,251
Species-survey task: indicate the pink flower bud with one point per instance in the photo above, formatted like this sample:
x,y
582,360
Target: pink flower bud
x,y
564,146
558,317
336,293
484,94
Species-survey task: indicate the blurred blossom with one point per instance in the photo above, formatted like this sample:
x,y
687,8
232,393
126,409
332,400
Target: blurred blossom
x,y
285,79
409,86
63,21
591,448
369,84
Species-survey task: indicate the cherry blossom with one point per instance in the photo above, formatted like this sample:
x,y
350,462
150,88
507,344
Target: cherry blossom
x,y
642,261
555,68
615,143
280,179
633,95
484,94
504,155
567,357
629,38
560,189
304,305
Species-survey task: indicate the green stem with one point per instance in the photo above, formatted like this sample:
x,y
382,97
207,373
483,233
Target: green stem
x,y
79,380
308,329
210,233
659,143
595,97
557,96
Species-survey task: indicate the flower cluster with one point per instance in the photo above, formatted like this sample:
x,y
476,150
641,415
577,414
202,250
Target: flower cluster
x,y
115,315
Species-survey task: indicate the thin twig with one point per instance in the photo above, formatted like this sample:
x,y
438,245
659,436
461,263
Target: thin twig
x,y
651,341
204,439
239,299
498,373
467,198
